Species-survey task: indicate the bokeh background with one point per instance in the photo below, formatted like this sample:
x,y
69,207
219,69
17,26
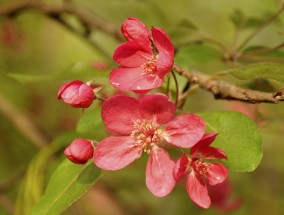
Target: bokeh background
x,y
38,54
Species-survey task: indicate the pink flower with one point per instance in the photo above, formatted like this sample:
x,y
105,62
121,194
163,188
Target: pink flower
x,y
145,125
199,171
144,60
79,151
77,94
220,196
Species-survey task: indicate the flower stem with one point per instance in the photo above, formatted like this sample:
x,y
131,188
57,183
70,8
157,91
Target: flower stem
x,y
177,88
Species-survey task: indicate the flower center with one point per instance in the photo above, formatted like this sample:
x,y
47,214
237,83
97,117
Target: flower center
x,y
147,134
200,167
150,67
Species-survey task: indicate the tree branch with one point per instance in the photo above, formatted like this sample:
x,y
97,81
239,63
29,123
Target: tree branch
x,y
223,90
220,89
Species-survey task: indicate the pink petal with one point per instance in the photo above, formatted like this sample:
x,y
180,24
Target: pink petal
x,y
116,152
165,63
181,167
134,79
119,114
132,54
134,29
184,131
159,172
203,149
197,190
217,173
74,84
157,107
162,41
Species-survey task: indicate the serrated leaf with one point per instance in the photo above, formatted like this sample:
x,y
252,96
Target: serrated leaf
x,y
68,183
273,71
91,123
196,54
238,136
79,70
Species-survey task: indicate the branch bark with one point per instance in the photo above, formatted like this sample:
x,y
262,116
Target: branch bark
x,y
223,90
220,89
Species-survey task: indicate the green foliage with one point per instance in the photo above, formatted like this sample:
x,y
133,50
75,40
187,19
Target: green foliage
x,y
238,136
259,70
79,70
196,54
68,183
91,123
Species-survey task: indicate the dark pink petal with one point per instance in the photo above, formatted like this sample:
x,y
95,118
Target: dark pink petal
x,y
217,173
184,131
79,151
77,94
74,84
147,83
116,152
157,107
119,114
202,148
159,172
162,41
181,167
134,29
197,191
133,79
164,64
221,197
132,54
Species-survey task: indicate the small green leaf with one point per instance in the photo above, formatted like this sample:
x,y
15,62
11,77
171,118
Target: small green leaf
x,y
79,70
68,183
196,54
259,70
238,137
91,123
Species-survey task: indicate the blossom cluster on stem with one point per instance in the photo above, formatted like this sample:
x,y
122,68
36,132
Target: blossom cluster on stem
x,y
148,125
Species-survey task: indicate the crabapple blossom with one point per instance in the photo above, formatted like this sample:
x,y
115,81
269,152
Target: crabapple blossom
x,y
79,151
144,60
199,171
146,125
77,94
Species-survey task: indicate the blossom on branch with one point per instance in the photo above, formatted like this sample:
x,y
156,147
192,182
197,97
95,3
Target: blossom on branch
x,y
144,60
77,94
79,151
199,171
147,124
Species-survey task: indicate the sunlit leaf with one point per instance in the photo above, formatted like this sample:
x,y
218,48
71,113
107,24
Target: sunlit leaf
x,y
196,54
68,183
259,70
79,70
91,123
238,136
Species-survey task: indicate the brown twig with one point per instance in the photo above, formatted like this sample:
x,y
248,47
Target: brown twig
x,y
223,90
220,89
260,28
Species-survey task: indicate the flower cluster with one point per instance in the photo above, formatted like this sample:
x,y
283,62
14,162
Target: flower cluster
x,y
148,124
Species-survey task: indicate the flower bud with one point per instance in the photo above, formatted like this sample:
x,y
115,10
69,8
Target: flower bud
x,y
79,151
77,94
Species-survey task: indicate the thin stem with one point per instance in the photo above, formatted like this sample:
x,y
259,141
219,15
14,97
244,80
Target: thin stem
x,y
260,28
177,88
168,85
264,50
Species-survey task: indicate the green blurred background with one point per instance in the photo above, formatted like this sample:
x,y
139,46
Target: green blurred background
x,y
37,55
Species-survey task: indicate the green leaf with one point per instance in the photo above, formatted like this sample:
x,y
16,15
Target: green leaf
x,y
91,123
68,183
196,54
79,70
259,70
238,136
